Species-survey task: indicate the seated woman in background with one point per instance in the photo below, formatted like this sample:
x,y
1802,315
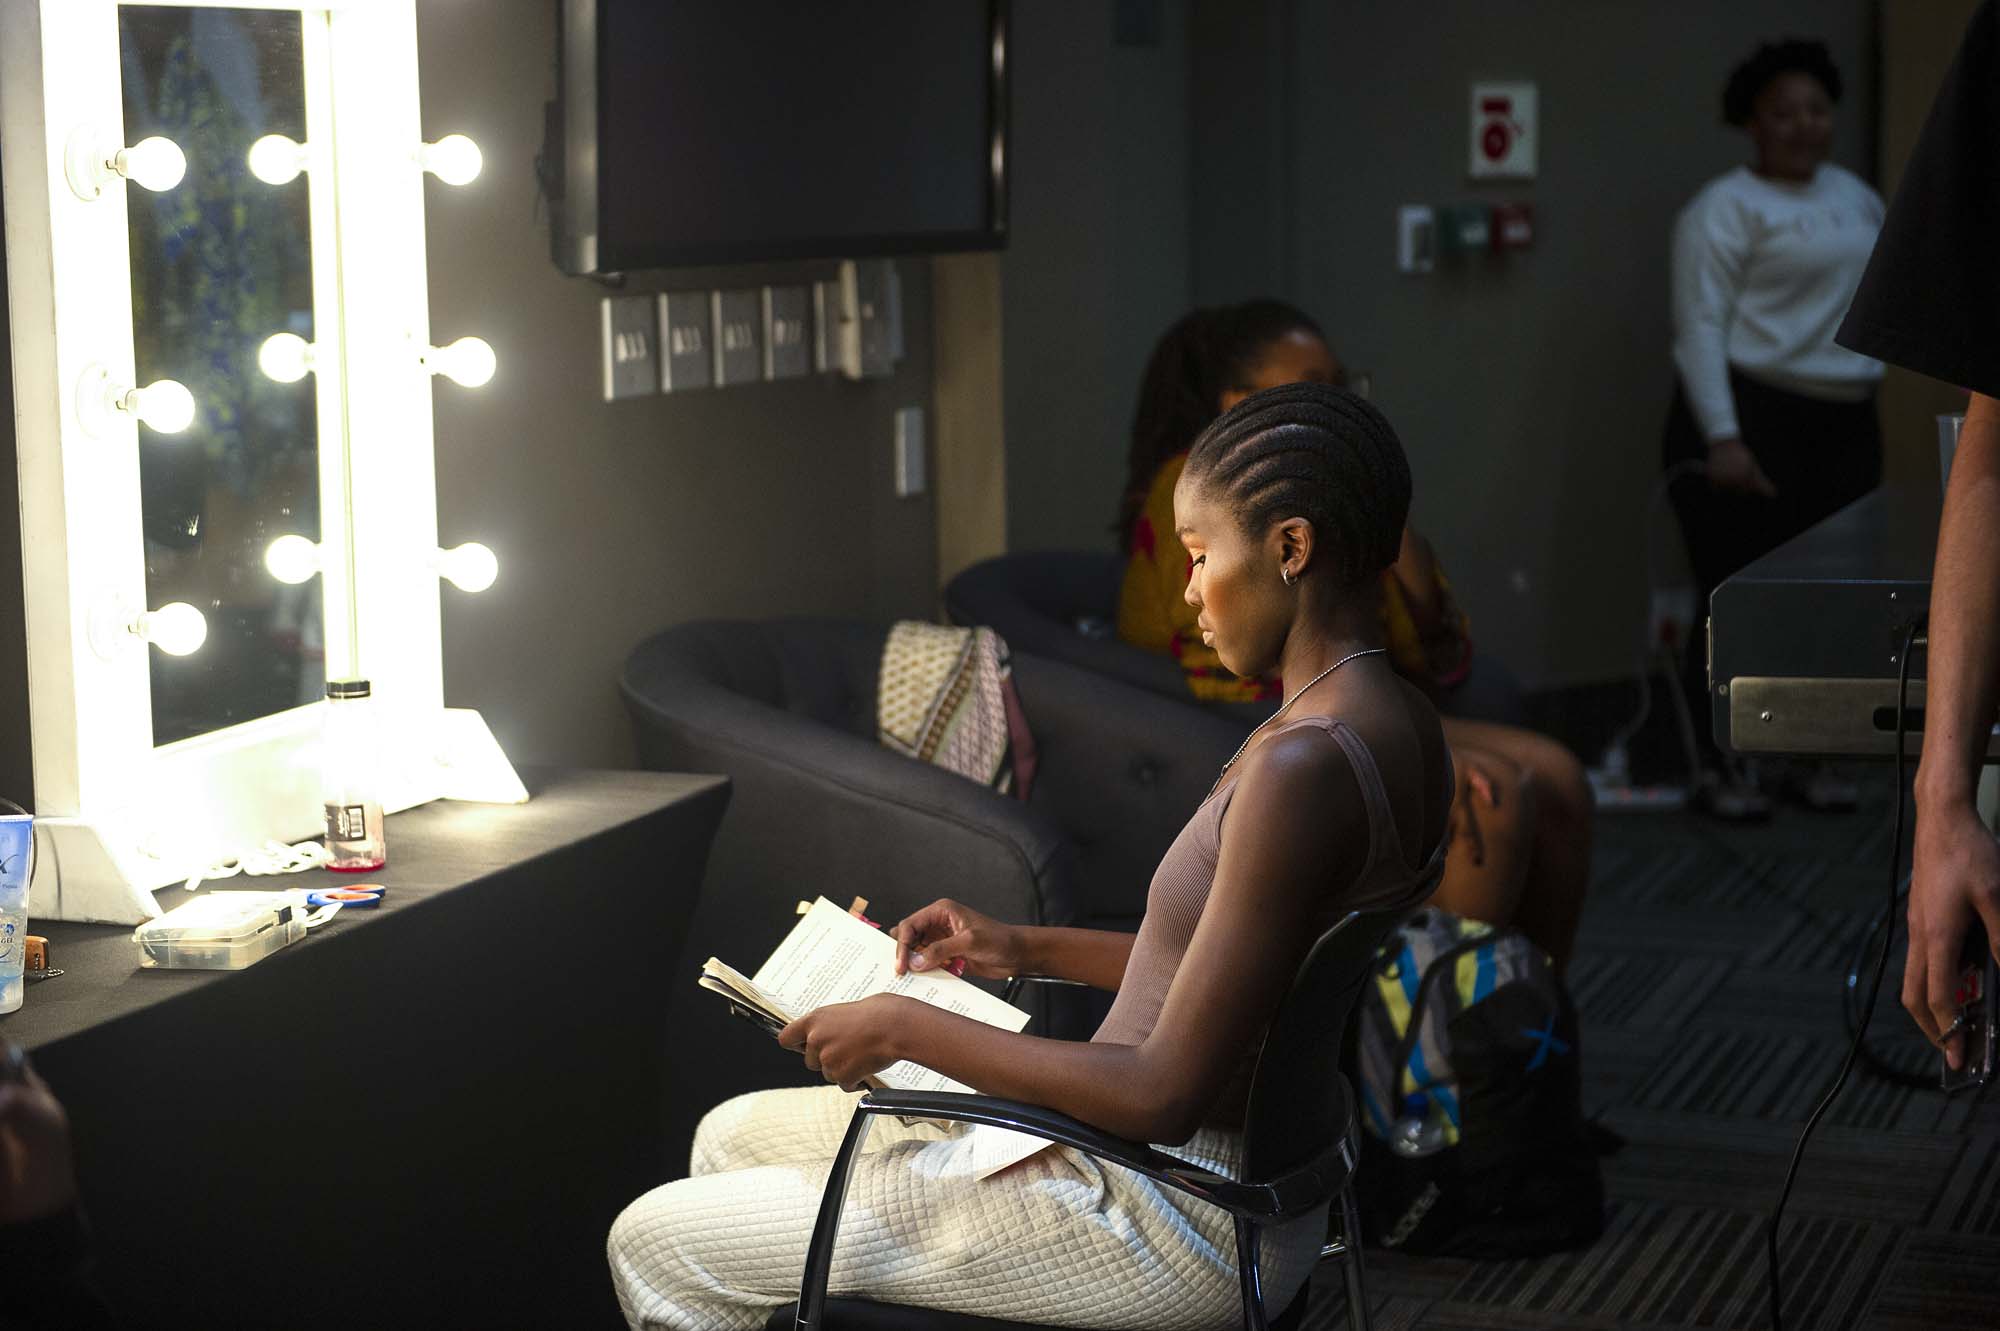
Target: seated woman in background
x,y
1522,817
1290,507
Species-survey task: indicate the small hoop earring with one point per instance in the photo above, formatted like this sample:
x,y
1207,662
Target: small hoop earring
x,y
1291,578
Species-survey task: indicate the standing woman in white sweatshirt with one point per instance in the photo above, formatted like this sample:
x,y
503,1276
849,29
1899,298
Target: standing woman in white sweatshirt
x,y
1766,259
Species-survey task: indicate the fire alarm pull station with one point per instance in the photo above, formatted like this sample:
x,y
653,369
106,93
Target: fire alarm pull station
x,y
1513,226
1505,134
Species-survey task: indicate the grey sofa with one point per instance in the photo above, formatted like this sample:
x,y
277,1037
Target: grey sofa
x,y
1063,605
786,709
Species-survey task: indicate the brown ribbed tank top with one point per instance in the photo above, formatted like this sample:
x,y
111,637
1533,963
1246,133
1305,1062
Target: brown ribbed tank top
x,y
1180,890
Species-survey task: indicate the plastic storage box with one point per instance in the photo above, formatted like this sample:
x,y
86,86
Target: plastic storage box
x,y
220,931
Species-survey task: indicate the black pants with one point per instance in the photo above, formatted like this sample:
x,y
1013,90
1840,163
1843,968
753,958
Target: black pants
x,y
1821,456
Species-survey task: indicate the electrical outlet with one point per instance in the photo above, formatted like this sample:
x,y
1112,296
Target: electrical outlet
x,y
739,322
631,350
787,354
687,359
909,452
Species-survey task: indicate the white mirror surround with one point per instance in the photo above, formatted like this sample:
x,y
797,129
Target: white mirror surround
x,y
128,817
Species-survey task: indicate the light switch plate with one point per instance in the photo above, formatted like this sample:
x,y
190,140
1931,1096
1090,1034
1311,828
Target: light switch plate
x,y
687,357
836,326
739,351
874,303
631,348
787,312
909,452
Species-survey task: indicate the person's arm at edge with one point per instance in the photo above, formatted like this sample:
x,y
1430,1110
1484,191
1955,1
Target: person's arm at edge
x,y
1954,860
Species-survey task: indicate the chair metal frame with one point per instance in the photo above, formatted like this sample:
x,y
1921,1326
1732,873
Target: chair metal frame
x,y
1325,1180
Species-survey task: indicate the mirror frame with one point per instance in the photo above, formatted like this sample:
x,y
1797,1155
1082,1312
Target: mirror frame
x,y
127,817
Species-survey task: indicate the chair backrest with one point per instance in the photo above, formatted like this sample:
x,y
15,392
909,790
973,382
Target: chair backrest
x,y
1040,601
825,670
1298,1098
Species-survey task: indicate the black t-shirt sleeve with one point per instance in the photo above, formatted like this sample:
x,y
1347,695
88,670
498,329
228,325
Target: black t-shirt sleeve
x,y
1930,300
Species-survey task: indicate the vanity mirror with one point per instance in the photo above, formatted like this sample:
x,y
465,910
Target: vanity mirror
x,y
222,370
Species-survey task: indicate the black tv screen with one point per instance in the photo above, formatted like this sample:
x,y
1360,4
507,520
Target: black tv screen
x,y
722,131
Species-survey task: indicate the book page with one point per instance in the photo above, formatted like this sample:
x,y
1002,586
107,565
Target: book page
x,y
832,957
726,980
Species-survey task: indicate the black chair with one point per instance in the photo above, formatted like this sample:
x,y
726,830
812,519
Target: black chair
x,y
1299,1139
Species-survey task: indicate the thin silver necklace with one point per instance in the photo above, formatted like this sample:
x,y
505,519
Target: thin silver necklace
x,y
1351,656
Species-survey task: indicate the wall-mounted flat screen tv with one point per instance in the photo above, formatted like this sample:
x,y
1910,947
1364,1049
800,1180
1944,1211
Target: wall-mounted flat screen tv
x,y
725,131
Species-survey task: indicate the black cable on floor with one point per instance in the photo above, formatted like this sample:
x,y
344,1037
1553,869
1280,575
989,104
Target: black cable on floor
x,y
1875,985
1853,1020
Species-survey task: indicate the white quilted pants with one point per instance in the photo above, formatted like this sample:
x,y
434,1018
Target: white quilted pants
x,y
1059,1238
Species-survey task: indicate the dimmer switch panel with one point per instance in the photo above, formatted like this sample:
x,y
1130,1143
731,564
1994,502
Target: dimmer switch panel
x,y
739,342
788,353
687,353
631,349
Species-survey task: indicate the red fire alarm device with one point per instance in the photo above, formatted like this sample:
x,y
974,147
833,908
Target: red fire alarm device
x,y
1513,226
1504,131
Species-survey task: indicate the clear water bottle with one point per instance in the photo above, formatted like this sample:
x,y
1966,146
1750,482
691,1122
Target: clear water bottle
x,y
16,859
351,752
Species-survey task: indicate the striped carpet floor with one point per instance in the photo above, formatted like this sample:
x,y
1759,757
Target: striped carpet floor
x,y
1707,982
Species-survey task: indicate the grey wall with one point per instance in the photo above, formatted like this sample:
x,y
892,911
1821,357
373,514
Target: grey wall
x,y
1530,391
614,520
1097,254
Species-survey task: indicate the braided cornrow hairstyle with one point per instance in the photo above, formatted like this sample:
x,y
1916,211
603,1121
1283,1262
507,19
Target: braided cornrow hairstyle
x,y
1316,452
1205,353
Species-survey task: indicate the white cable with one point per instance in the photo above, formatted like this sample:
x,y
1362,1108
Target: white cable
x,y
273,857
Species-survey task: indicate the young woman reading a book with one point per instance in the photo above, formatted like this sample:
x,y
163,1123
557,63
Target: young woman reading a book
x,y
1290,507
1521,820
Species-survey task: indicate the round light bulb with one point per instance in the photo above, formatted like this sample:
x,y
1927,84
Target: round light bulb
x,y
164,404
454,159
470,567
277,160
285,357
177,628
292,559
468,361
155,163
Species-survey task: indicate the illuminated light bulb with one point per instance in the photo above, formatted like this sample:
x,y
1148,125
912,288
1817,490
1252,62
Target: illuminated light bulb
x,y
155,163
454,159
292,559
164,404
470,567
285,357
177,628
277,160
468,361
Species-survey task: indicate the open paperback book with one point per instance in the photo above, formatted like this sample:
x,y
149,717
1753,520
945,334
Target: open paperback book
x,y
831,956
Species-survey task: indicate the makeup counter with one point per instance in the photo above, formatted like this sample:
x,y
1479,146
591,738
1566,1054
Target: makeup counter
x,y
470,1078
